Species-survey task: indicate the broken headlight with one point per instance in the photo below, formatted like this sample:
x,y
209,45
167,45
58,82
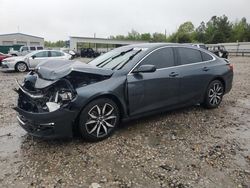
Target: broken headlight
x,y
60,98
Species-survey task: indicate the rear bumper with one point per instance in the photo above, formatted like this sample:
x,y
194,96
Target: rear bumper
x,y
228,82
57,124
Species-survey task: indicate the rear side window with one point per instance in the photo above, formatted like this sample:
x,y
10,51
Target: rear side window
x,y
188,56
56,54
206,57
42,54
161,58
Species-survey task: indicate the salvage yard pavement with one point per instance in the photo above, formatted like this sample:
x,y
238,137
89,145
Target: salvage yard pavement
x,y
191,147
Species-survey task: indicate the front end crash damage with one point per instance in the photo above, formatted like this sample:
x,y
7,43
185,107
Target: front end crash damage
x,y
48,107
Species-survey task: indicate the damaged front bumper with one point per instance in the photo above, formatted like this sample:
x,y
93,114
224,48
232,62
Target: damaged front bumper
x,y
57,124
43,118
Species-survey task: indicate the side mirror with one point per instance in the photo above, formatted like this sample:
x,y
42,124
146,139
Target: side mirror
x,y
33,57
145,68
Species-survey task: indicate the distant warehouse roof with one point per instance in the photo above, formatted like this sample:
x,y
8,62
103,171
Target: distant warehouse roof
x,y
20,34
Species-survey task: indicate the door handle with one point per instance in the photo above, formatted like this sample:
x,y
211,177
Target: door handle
x,y
205,69
173,74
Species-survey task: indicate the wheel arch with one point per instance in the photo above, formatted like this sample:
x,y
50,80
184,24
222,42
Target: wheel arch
x,y
21,62
117,101
220,79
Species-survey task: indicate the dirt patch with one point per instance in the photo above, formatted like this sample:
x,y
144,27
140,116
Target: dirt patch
x,y
191,147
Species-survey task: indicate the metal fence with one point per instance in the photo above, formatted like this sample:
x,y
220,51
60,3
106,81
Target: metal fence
x,y
236,49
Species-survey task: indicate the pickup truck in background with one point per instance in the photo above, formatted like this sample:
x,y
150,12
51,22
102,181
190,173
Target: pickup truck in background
x,y
24,50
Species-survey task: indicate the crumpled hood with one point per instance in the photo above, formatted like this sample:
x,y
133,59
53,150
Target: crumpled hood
x,y
56,69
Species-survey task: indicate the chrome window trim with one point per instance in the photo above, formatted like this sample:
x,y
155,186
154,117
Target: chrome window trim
x,y
131,71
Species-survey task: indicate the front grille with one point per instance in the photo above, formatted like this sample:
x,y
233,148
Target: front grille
x,y
32,127
5,66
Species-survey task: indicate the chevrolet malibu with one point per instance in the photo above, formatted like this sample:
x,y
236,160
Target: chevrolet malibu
x,y
61,98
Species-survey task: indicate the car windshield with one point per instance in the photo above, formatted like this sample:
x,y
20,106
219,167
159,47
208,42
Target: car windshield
x,y
115,59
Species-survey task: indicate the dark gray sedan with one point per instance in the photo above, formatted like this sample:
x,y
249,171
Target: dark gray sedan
x,y
61,98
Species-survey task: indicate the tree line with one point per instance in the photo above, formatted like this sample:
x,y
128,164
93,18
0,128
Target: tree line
x,y
216,30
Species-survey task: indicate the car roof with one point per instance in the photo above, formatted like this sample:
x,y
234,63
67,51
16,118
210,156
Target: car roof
x,y
152,46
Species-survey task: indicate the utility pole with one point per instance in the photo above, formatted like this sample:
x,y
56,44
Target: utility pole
x,y
95,43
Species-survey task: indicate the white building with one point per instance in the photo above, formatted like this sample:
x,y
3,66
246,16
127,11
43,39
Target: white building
x,y
20,38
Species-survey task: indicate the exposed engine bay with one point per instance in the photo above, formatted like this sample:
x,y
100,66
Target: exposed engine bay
x,y
38,95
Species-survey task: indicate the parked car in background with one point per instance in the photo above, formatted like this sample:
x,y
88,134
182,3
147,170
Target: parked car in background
x,y
60,97
3,56
74,54
24,50
219,50
31,60
89,52
200,46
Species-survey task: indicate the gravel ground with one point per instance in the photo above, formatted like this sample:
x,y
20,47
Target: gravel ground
x,y
191,147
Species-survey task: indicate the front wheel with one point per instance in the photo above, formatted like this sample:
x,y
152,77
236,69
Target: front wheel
x,y
21,67
214,94
99,119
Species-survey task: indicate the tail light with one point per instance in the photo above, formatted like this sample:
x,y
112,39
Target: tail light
x,y
231,66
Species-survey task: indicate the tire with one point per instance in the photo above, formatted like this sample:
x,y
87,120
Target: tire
x,y
214,94
21,67
99,119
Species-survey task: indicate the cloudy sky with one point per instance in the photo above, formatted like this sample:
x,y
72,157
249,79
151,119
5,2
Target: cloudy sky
x,y
59,19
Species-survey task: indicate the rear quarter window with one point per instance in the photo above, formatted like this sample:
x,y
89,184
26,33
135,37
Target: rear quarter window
x,y
206,56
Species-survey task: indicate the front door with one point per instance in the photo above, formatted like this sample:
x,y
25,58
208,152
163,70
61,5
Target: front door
x,y
156,90
38,58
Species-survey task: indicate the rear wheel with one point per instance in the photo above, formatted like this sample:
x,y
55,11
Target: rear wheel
x,y
21,67
214,94
99,119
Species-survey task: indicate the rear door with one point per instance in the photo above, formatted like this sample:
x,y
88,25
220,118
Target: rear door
x,y
194,72
151,91
38,58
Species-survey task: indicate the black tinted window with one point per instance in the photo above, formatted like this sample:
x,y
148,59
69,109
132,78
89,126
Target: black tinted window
x,y
33,48
188,56
39,48
206,57
160,58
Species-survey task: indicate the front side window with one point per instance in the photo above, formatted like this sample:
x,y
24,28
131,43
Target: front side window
x,y
42,54
189,55
161,58
25,49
